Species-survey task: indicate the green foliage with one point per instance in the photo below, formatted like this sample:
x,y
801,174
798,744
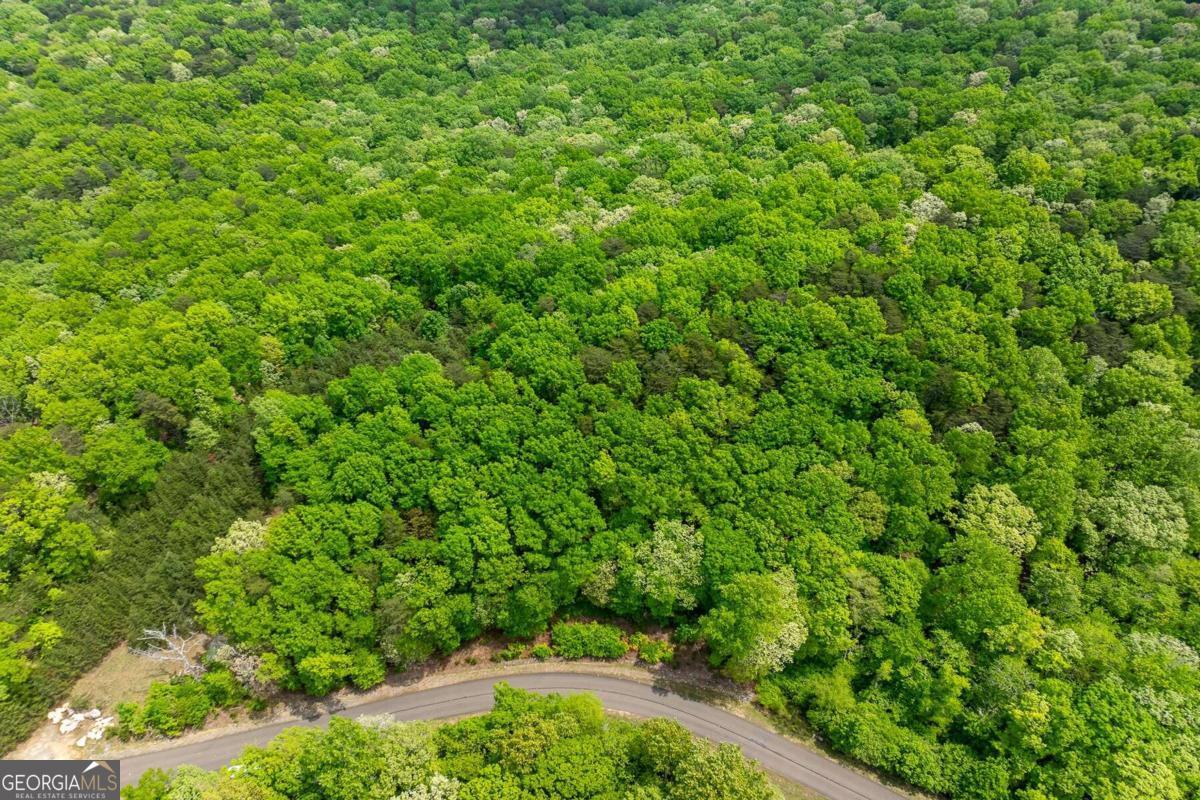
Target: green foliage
x,y
652,651
147,581
511,653
317,565
855,342
39,533
527,746
588,640
16,665
185,702
757,626
120,461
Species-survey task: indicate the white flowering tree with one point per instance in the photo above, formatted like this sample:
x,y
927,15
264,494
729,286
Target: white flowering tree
x,y
997,512
757,626
1136,524
668,568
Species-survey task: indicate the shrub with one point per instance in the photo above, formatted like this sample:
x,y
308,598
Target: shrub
x,y
321,673
367,670
687,633
222,688
512,652
771,696
588,640
171,708
542,652
652,651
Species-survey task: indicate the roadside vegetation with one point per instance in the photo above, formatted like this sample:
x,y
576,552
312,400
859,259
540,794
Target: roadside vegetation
x,y
528,746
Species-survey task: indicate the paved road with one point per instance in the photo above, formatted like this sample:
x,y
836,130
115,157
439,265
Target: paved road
x,y
776,753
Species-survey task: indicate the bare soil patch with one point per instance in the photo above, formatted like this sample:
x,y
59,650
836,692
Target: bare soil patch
x,y
121,677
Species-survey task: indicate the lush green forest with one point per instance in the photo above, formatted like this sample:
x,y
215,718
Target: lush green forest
x,y
527,747
852,340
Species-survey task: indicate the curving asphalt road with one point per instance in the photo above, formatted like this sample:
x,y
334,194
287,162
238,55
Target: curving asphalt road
x,y
776,753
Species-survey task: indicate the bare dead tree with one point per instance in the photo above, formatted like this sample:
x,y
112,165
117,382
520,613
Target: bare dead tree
x,y
170,647
11,409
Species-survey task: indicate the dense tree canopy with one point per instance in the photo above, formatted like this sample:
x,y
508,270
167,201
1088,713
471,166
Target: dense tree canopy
x,y
853,340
